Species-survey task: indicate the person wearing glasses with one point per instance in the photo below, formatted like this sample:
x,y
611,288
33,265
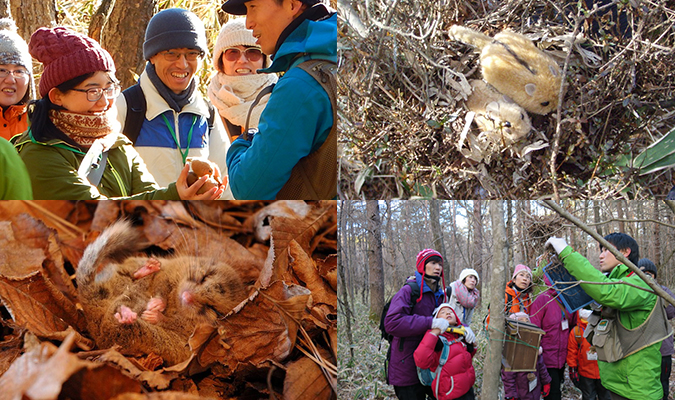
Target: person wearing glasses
x,y
236,83
293,155
177,121
74,149
16,80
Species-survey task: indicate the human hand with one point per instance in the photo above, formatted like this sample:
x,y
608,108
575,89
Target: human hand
x,y
440,323
546,390
469,337
558,244
189,192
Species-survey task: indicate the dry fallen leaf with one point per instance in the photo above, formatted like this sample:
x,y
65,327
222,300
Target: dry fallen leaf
x,y
304,380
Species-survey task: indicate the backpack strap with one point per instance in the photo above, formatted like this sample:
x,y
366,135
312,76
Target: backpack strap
x,y
445,353
263,92
136,107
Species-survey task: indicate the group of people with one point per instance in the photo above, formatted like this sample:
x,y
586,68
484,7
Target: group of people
x,y
269,136
619,316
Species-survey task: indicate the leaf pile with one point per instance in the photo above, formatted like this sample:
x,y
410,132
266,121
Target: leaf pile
x,y
278,343
402,83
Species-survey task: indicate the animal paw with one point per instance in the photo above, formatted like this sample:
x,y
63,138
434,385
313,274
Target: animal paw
x,y
151,266
153,311
125,315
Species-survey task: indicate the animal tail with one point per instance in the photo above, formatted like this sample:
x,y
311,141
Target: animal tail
x,y
116,243
469,36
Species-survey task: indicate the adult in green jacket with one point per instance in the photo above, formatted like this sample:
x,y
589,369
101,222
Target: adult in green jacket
x,y
637,375
73,149
14,181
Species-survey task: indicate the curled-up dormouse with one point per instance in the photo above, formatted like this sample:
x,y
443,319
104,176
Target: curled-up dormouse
x,y
501,119
516,68
200,167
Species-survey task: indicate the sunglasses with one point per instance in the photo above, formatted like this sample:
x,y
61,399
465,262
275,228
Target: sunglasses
x,y
233,54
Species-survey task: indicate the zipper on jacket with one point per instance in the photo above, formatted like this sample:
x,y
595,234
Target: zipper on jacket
x,y
123,190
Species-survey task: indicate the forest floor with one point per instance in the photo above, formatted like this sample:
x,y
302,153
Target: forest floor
x,y
362,377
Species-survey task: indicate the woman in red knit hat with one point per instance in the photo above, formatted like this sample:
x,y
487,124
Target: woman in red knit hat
x,y
73,149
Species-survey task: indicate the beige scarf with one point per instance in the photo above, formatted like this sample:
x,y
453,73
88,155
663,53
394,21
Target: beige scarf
x,y
233,96
84,129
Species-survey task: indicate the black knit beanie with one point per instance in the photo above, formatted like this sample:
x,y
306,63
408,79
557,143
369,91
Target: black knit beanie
x,y
174,28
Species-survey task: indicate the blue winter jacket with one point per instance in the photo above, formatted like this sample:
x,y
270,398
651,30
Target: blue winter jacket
x,y
296,121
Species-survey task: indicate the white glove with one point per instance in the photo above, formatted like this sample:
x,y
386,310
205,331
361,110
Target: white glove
x,y
469,336
440,323
558,244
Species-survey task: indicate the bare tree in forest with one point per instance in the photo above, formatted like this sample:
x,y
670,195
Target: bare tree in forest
x,y
436,232
5,9
344,300
123,34
492,364
478,237
30,15
596,216
375,260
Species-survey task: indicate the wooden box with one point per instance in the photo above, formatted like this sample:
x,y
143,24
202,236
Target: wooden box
x,y
521,347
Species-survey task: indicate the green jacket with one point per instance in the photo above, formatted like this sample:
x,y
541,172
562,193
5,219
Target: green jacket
x,y
52,167
14,180
636,376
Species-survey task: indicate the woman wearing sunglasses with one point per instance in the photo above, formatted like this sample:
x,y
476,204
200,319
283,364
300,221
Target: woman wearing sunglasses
x,y
73,149
236,84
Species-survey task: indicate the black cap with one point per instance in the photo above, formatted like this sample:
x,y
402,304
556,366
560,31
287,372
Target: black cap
x,y
235,7
647,265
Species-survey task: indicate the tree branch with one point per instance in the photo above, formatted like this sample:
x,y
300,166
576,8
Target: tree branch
x,y
563,213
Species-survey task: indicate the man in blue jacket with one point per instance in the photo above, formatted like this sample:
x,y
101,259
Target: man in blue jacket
x,y
294,152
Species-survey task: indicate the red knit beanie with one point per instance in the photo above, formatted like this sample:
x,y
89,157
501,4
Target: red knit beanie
x,y
422,258
65,55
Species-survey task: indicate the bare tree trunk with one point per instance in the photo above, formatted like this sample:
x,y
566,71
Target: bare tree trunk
x,y
478,238
492,365
5,9
99,19
123,35
30,15
437,234
509,233
621,214
375,260
453,235
657,235
520,215
596,217
346,313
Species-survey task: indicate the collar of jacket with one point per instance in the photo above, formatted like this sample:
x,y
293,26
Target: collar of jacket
x,y
620,271
26,137
321,44
156,105
14,111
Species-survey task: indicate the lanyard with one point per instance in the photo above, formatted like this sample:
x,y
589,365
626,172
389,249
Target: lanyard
x,y
59,145
175,139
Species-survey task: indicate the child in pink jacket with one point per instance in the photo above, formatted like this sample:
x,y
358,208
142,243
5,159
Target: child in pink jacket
x,y
457,376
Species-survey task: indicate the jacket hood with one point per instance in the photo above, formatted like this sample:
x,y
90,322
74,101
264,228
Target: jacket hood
x,y
315,39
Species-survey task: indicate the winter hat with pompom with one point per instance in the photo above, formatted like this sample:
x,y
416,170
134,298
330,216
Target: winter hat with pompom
x,y
14,51
65,55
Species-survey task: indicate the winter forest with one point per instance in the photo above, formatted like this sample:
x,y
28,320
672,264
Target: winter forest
x,y
379,241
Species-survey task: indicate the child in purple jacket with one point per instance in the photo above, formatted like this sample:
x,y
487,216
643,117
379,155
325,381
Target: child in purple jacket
x,y
527,385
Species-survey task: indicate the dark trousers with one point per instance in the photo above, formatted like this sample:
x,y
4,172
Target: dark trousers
x,y
468,395
666,367
557,377
414,392
618,397
590,388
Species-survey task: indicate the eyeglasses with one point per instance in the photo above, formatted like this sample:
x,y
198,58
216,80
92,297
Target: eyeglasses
x,y
17,73
95,94
252,54
190,55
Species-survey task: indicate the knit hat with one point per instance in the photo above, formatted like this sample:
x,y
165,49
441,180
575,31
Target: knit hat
x,y
14,51
65,55
466,272
174,28
584,314
422,258
647,265
521,268
232,34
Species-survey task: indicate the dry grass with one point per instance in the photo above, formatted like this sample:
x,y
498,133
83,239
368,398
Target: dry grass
x,y
402,115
